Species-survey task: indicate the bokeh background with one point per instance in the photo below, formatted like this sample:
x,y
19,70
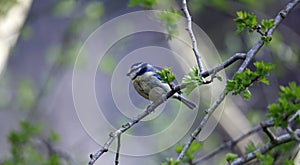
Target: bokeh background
x,y
40,39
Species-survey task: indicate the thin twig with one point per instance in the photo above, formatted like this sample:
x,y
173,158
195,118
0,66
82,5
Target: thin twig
x,y
201,125
294,116
278,19
232,143
274,142
59,152
192,35
102,150
249,56
151,107
294,133
118,150
270,134
125,127
228,62
252,155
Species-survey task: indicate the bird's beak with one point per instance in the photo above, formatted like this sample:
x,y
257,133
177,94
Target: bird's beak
x,y
128,74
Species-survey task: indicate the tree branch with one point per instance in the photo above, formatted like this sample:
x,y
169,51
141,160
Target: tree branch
x,y
59,152
249,56
270,134
118,150
125,127
252,155
278,19
230,144
151,107
225,64
274,142
192,36
294,133
263,126
201,125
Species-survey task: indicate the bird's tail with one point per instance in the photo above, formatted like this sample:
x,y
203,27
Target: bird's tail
x,y
185,101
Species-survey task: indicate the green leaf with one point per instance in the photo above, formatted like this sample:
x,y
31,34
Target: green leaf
x,y
266,159
220,4
250,147
94,10
26,93
266,39
178,148
245,20
189,155
247,94
53,160
231,157
192,80
166,75
195,146
30,129
242,81
263,68
142,3
170,20
54,136
25,151
264,80
230,86
266,25
64,8
287,104
259,155
288,162
171,161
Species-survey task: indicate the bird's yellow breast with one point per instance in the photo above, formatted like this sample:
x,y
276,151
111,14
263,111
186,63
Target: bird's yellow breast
x,y
149,86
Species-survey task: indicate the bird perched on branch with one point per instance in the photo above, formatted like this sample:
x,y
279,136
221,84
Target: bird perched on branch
x,y
148,83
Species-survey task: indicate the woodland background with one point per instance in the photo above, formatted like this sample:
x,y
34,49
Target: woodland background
x,y
36,65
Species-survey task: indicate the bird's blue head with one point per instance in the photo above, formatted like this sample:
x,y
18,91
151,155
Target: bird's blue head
x,y
140,68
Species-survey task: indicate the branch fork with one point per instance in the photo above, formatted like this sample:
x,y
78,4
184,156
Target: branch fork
x,y
246,57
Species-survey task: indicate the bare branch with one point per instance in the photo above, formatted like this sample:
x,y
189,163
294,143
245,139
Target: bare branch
x,y
252,155
125,127
118,150
191,33
274,142
294,117
228,62
59,152
294,133
270,134
151,108
278,19
232,143
201,125
249,56
262,126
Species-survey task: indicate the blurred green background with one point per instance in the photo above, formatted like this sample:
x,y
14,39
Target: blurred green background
x,y
40,39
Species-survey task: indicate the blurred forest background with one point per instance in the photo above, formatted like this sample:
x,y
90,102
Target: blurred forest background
x,y
40,39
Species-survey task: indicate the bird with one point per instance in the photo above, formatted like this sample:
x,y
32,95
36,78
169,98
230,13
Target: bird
x,y
149,85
